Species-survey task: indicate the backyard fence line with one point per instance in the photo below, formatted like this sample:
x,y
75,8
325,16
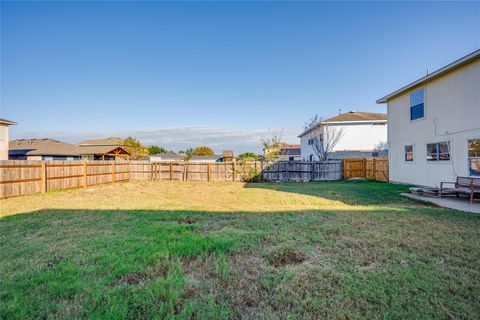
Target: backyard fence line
x,y
22,177
368,168
283,171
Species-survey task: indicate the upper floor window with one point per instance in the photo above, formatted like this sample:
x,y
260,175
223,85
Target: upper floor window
x,y
417,104
439,151
474,157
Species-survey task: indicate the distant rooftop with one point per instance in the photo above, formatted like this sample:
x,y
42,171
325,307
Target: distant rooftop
x,y
44,147
168,155
112,141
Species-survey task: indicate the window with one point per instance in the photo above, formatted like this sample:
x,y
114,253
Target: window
x,y
439,151
417,104
474,157
409,153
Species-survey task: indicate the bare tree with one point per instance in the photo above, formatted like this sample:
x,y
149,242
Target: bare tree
x,y
271,143
324,142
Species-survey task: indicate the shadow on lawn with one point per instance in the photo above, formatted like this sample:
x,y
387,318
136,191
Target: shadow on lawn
x,y
348,192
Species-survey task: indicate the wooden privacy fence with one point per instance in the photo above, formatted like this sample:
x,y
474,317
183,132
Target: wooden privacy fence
x,y
303,171
368,168
21,177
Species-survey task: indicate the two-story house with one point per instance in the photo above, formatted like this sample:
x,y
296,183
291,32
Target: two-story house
x,y
362,134
434,125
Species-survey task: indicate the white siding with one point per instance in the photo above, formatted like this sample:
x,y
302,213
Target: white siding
x,y
357,137
3,142
452,113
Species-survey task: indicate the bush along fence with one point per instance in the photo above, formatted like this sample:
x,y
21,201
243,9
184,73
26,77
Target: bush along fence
x,y
21,177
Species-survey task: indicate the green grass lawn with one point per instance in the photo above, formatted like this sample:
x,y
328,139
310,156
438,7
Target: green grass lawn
x,y
335,250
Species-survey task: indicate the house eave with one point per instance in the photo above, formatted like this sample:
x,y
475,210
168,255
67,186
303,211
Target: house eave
x,y
438,73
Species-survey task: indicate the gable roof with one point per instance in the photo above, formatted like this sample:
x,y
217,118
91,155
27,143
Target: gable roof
x,y
168,155
438,73
101,146
112,141
214,157
351,116
357,116
43,147
86,149
7,122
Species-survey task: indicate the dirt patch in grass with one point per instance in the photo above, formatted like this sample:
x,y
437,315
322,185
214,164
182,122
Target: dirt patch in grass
x,y
54,261
285,255
187,221
132,278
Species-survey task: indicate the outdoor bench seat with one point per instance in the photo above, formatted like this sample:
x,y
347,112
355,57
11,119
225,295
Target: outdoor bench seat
x,y
464,185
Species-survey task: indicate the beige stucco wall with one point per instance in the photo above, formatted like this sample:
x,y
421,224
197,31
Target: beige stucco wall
x,y
3,142
452,113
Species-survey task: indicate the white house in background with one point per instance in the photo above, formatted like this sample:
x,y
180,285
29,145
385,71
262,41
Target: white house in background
x,y
434,125
4,123
166,157
363,132
206,159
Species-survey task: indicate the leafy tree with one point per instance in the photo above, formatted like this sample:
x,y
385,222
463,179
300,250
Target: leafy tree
x,y
135,147
248,155
203,151
155,150
271,142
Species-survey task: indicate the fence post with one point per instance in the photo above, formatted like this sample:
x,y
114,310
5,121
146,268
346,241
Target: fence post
x,y
209,169
113,171
287,173
44,176
186,172
364,168
233,171
171,170
344,162
129,170
84,173
374,169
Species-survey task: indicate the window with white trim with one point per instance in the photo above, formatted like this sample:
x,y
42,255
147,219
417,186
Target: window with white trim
x,y
474,157
409,153
417,104
439,151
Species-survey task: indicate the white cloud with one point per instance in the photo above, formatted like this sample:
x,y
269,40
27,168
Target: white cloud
x,y
177,138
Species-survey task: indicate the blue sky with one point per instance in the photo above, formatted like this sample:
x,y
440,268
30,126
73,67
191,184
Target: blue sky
x,y
217,73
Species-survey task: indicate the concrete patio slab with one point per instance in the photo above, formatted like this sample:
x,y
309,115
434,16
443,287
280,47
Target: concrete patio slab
x,y
461,204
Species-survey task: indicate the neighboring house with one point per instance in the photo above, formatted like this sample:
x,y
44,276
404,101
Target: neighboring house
x,y
4,124
284,151
363,132
41,149
291,152
165,157
103,149
206,159
434,125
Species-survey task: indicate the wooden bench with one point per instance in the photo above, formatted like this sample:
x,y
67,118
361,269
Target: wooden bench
x,y
465,185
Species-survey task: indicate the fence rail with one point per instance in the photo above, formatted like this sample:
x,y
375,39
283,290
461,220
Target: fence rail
x,y
21,177
368,168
